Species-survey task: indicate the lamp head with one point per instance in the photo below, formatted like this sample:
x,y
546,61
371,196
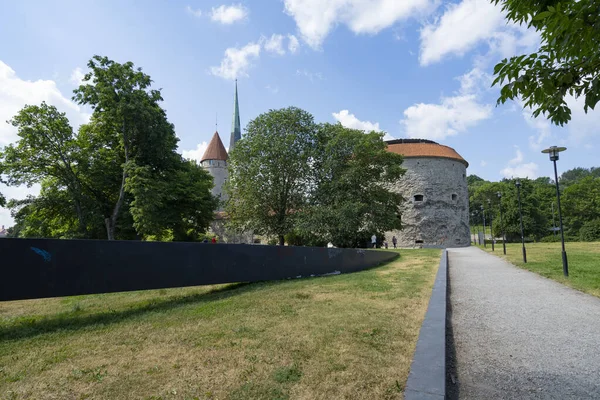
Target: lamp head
x,y
518,183
499,194
553,152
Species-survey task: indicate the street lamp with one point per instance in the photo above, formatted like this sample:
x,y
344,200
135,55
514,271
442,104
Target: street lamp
x,y
499,194
473,227
518,185
553,153
483,216
491,222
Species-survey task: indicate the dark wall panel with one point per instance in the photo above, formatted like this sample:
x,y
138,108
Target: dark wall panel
x,y
38,268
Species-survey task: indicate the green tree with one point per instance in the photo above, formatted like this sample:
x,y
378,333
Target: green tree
x,y
567,62
581,203
269,172
575,175
2,200
535,222
46,150
178,205
353,178
129,111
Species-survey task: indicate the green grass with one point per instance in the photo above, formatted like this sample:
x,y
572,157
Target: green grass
x,y
545,259
348,336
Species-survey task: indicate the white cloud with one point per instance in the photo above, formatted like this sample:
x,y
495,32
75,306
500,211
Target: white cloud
x,y
350,121
237,61
310,75
191,11
274,44
516,168
15,93
77,76
475,81
460,28
582,126
316,18
229,14
272,89
483,163
518,157
197,153
438,121
469,23
293,44
453,115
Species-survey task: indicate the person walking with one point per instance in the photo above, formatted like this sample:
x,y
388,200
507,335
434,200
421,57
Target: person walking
x,y
394,241
374,241
213,240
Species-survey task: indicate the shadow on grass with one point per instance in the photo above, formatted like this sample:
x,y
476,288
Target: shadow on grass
x,y
26,327
73,321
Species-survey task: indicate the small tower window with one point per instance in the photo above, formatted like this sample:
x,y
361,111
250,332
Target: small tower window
x,y
454,196
418,241
418,197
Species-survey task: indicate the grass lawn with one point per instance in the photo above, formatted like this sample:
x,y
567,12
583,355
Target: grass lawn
x,y
339,337
545,259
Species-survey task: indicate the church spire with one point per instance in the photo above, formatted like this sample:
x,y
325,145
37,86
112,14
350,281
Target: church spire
x,y
236,131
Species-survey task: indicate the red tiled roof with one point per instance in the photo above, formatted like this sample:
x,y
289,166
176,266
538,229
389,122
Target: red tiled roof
x,y
411,148
215,149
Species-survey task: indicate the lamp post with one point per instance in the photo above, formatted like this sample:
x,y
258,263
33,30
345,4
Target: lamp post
x,y
518,185
491,222
499,194
553,153
473,227
483,216
553,221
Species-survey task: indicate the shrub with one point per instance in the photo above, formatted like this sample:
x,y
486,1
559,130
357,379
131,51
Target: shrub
x,y
590,231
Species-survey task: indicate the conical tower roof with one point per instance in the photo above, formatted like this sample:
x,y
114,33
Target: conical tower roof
x,y
215,149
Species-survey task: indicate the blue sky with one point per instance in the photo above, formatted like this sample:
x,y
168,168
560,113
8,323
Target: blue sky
x,y
413,68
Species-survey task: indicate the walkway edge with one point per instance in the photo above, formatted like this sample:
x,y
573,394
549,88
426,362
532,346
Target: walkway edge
x,y
427,377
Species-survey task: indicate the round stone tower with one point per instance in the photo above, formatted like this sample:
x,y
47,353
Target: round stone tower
x,y
435,212
214,161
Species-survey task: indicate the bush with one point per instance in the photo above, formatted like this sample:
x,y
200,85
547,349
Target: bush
x,y
590,231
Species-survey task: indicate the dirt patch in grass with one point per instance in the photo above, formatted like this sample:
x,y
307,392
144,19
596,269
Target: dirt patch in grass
x,y
347,336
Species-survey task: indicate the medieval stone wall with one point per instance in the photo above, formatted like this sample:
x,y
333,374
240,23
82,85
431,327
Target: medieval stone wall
x,y
436,208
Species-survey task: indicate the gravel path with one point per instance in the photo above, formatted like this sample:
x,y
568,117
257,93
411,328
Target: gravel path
x,y
518,335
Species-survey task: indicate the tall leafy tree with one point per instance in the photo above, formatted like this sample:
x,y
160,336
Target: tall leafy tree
x,y
270,171
46,150
581,203
129,110
352,196
567,62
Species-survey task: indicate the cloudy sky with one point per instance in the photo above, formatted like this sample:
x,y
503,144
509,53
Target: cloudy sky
x,y
412,68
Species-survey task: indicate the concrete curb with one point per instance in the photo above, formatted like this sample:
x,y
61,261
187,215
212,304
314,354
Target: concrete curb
x,y
427,377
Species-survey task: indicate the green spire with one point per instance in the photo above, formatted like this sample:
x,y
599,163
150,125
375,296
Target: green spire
x,y
236,131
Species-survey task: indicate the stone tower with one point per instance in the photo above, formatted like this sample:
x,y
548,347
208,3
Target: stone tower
x,y
214,161
236,130
435,212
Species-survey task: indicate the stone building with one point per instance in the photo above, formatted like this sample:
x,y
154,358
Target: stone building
x,y
214,160
435,212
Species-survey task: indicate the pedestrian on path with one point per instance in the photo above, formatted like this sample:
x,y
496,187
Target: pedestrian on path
x,y
374,241
394,241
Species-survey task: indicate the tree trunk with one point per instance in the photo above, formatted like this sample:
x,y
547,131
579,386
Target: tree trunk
x,y
110,229
281,240
112,221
